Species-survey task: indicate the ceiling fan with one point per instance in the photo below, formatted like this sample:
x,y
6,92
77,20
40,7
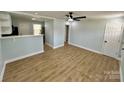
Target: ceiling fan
x,y
71,18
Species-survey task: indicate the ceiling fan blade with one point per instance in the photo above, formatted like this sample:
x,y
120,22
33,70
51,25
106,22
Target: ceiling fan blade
x,y
69,16
79,17
77,20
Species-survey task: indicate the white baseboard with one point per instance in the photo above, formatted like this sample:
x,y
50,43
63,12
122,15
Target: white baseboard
x,y
21,57
58,46
118,58
15,59
85,48
49,45
92,50
54,47
121,75
2,72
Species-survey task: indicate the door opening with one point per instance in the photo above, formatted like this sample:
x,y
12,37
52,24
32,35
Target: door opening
x,y
37,28
66,33
43,31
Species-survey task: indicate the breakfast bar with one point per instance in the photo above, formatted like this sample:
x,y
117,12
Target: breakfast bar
x,y
17,47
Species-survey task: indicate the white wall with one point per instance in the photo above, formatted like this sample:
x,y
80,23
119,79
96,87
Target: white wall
x,y
49,32
59,32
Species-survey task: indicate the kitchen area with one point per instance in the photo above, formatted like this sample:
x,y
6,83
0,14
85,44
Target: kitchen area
x,y
20,37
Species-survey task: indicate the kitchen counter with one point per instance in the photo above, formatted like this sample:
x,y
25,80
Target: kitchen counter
x,y
20,36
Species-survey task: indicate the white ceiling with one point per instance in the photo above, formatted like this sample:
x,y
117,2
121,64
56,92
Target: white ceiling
x,y
27,16
46,15
89,14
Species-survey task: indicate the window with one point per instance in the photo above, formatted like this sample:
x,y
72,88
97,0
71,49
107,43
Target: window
x,y
37,29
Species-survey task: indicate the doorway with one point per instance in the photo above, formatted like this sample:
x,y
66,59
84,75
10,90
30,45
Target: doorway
x,y
37,29
66,33
112,39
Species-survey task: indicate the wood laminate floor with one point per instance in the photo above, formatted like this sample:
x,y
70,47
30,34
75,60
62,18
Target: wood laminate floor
x,y
67,63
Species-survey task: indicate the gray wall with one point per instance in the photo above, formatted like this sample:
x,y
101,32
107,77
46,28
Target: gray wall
x,y
122,60
20,46
49,32
1,62
122,67
88,33
59,32
25,26
55,32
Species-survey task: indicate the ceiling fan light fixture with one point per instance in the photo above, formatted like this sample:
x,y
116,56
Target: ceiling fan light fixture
x,y
70,20
67,23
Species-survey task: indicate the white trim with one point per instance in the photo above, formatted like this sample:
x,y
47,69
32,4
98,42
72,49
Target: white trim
x,y
92,50
118,58
54,47
22,57
121,75
23,36
32,15
49,44
85,48
2,72
15,59
58,46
